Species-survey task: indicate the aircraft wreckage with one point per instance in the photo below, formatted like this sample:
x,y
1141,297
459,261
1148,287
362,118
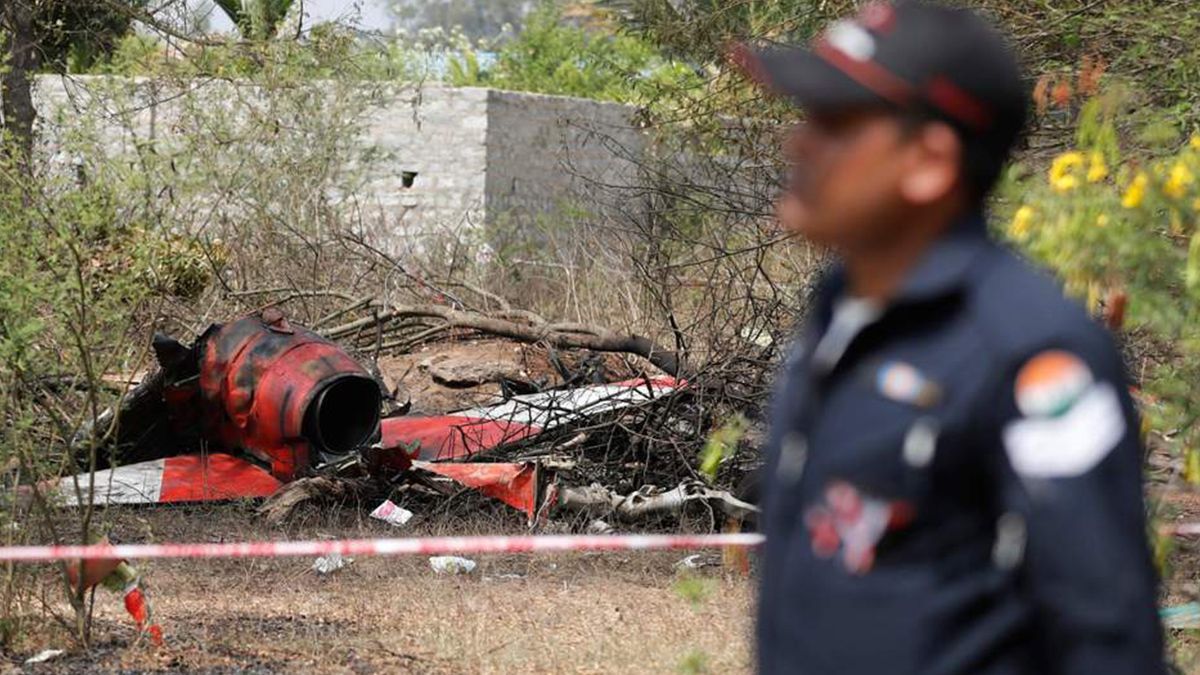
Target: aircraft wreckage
x,y
260,403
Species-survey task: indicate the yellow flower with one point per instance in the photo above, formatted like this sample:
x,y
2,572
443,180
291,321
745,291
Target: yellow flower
x,y
1181,177
1136,192
1102,220
1195,142
1021,222
1062,171
1097,169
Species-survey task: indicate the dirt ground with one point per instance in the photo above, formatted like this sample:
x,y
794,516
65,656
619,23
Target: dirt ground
x,y
576,613
585,613
1182,583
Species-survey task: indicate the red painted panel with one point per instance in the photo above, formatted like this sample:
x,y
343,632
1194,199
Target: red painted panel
x,y
513,484
193,478
448,437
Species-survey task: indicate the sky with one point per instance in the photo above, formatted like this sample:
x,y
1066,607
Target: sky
x,y
373,14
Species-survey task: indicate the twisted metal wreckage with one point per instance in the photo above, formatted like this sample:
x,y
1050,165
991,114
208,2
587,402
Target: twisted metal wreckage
x,y
259,407
259,404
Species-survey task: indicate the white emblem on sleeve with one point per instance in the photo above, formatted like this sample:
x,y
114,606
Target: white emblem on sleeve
x,y
852,40
1069,444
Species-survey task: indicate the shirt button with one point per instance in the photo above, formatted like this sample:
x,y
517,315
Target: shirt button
x,y
920,443
793,453
1009,548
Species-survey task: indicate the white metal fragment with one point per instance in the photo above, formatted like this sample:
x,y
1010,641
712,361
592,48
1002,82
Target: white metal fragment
x,y
44,655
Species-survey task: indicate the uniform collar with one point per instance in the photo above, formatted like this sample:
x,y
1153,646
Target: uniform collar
x,y
946,266
942,271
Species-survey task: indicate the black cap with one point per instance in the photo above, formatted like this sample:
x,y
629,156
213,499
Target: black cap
x,y
946,62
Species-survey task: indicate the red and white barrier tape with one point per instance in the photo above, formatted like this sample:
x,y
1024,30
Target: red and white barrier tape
x,y
382,547
412,546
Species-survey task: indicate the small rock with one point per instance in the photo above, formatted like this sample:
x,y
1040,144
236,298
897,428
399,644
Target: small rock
x,y
598,526
454,371
450,564
328,564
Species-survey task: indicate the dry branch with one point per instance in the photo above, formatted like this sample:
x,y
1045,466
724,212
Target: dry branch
x,y
597,501
561,336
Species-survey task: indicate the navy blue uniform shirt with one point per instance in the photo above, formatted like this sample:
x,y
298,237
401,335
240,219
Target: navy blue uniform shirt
x,y
953,483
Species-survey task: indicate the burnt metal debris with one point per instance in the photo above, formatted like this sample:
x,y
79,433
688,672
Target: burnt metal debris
x,y
261,407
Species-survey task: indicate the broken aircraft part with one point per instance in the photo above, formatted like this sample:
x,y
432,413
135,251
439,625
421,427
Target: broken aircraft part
x,y
284,394
281,403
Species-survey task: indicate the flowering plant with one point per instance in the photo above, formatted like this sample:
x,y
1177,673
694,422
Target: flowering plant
x,y
1123,233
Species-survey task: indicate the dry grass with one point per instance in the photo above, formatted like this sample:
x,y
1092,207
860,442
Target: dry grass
x,y
587,613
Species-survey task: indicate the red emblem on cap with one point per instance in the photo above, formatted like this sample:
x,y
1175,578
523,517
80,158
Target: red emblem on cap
x,y
878,16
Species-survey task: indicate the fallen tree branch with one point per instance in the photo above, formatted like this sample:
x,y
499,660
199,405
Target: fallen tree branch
x,y
597,501
564,336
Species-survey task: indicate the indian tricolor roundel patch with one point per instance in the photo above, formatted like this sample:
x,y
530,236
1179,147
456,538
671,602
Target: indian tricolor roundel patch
x,y
1069,421
1050,383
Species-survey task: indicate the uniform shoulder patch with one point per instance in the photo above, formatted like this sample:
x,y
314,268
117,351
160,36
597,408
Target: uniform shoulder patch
x,y
1069,421
1050,383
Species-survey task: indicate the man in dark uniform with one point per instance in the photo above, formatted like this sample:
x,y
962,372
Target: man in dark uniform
x,y
953,476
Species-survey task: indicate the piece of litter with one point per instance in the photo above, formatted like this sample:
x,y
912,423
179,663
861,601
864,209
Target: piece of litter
x,y
44,655
451,564
1181,616
699,560
505,577
328,564
391,514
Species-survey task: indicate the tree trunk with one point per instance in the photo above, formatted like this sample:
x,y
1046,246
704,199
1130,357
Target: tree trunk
x,y
16,86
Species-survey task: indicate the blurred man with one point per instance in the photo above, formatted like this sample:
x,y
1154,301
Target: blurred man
x,y
953,476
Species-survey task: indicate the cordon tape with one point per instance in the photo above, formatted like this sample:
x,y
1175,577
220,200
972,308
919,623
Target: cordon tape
x,y
412,546
382,547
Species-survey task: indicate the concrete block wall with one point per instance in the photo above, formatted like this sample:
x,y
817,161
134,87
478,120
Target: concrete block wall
x,y
479,155
546,153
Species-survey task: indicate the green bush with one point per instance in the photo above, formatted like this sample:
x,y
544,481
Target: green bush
x,y
1122,227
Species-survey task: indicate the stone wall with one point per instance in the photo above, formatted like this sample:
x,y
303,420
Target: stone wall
x,y
549,153
479,156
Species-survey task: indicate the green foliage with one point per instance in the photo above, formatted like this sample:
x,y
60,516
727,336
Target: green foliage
x,y
694,589
75,36
1119,225
72,270
694,662
328,51
722,445
256,19
129,227
701,30
477,19
551,57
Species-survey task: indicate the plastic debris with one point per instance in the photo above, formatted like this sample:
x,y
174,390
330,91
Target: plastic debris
x,y
505,577
44,655
328,564
451,564
391,514
699,560
1181,616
